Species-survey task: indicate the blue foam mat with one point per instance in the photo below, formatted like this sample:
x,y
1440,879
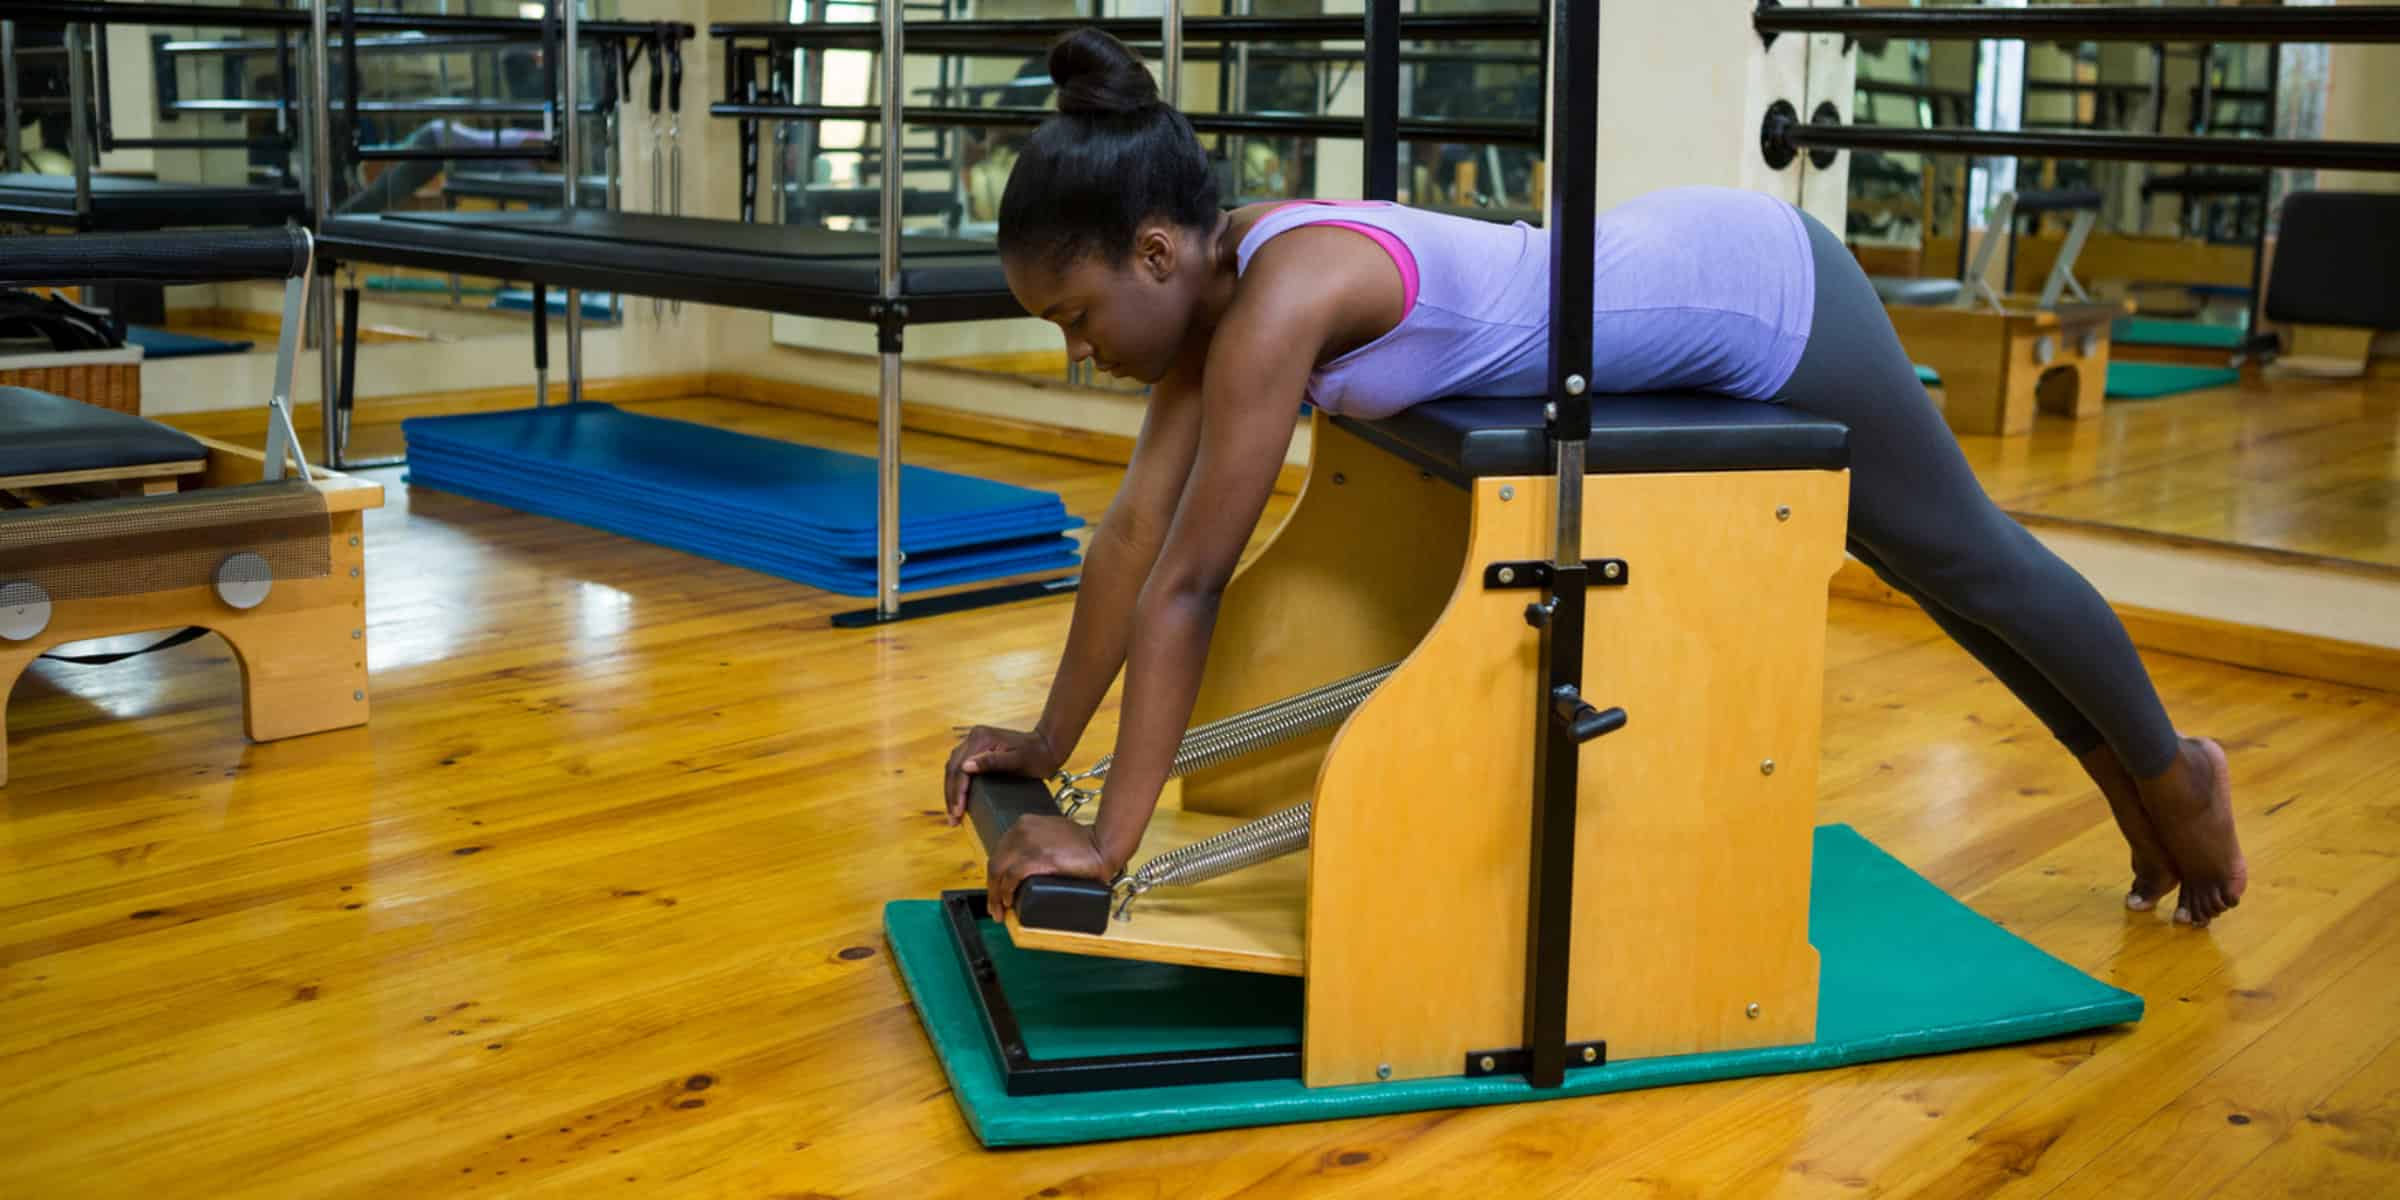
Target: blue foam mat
x,y
1904,970
731,478
503,481
159,343
846,576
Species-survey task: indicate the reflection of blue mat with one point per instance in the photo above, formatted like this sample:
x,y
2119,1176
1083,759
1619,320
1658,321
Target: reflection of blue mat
x,y
794,511
1904,970
1928,376
158,343
2143,381
595,304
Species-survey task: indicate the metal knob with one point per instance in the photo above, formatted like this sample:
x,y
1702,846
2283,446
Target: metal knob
x,y
24,610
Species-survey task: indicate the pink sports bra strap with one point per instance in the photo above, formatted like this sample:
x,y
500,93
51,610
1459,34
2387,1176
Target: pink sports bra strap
x,y
1391,243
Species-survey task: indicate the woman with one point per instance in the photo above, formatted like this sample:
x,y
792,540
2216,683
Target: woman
x,y
1110,228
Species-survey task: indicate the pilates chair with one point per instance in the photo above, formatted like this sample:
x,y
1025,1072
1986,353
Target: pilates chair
x,y
2001,357
1389,791
269,558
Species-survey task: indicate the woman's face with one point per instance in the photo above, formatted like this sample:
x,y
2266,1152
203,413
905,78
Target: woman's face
x,y
1128,318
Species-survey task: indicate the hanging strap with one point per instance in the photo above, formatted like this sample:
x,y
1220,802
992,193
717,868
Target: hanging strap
x,y
169,642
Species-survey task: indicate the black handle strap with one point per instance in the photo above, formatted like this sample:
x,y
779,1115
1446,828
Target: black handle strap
x,y
101,660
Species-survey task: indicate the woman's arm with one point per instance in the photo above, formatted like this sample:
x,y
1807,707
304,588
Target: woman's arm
x,y
1122,552
1257,374
1123,547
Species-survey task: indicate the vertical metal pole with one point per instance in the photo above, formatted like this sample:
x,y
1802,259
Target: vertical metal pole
x,y
571,142
1550,893
1172,52
13,148
1382,150
79,136
1238,100
320,187
887,413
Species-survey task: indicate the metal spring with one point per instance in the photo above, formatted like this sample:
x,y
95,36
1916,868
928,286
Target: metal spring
x,y
1270,836
1244,732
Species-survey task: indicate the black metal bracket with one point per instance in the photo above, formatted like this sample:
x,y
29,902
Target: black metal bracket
x,y
1537,573
1766,37
1773,141
891,320
1484,1063
1021,1074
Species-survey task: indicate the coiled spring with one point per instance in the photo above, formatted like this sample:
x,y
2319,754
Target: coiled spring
x,y
1270,836
1231,737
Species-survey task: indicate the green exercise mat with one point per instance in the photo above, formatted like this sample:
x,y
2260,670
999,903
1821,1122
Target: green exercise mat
x,y
1905,970
2144,381
2150,331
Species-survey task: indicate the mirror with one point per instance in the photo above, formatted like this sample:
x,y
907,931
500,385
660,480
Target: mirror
x,y
2198,437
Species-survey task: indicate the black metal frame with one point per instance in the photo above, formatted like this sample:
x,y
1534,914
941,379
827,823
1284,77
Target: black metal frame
x,y
2088,23
1021,1074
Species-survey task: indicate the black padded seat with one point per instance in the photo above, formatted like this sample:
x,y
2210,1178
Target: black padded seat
x,y
123,203
1466,438
780,268
43,434
1921,293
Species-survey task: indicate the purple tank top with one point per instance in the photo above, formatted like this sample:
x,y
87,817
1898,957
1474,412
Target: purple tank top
x,y
1694,289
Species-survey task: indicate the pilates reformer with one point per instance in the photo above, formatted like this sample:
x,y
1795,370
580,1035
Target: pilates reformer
x,y
1395,698
265,552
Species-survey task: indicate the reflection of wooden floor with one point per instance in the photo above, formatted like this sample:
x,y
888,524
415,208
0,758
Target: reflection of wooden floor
x,y
2306,466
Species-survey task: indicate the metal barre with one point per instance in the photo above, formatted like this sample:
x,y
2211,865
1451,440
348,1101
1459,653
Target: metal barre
x,y
2090,23
1790,134
1421,129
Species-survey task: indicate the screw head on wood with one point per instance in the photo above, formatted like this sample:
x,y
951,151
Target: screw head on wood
x,y
1507,493
1339,478
1384,1071
1783,512
1753,1012
1766,767
358,695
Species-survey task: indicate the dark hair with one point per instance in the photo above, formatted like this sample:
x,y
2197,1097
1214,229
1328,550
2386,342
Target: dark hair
x,y
1114,156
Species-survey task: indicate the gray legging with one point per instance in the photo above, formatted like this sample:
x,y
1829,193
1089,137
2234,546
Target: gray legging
x,y
1921,520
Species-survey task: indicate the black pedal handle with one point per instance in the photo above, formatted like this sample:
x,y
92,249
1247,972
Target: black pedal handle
x,y
996,802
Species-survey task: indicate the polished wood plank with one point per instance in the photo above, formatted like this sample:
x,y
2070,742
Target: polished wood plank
x,y
592,906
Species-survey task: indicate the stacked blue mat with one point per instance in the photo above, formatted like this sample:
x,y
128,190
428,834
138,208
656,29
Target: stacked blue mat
x,y
796,512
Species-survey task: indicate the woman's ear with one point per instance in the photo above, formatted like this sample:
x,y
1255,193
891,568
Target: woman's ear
x,y
1157,251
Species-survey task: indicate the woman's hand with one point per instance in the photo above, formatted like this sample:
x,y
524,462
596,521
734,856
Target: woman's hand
x,y
986,750
1039,845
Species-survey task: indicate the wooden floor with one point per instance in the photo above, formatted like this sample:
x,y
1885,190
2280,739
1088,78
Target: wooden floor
x,y
592,906
2293,464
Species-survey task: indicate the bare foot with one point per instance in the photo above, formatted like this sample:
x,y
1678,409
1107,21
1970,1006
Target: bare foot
x,y
2191,807
2153,870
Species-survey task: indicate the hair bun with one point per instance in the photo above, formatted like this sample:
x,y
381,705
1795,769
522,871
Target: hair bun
x,y
1098,76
